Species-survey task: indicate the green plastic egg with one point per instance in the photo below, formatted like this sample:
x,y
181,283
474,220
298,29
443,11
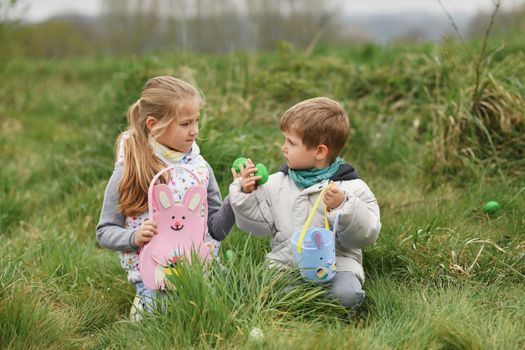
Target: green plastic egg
x,y
238,161
491,207
262,172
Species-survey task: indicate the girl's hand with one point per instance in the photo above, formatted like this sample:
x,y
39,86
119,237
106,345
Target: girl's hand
x,y
145,233
333,196
248,180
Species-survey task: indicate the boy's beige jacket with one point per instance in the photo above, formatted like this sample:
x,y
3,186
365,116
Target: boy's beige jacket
x,y
279,208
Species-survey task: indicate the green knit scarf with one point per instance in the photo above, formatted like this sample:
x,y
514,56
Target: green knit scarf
x,y
308,177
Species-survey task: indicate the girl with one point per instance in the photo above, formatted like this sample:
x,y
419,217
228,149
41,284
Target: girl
x,y
163,127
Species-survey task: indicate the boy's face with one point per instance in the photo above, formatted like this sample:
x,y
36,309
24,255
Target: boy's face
x,y
297,155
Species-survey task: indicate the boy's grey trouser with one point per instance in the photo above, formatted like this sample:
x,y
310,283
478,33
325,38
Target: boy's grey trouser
x,y
347,289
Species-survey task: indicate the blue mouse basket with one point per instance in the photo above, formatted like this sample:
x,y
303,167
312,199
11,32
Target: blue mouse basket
x,y
314,248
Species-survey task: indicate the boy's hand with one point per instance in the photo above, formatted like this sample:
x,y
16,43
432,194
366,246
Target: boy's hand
x,y
246,172
333,196
145,233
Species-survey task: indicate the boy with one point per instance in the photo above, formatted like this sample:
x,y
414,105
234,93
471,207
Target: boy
x,y
315,131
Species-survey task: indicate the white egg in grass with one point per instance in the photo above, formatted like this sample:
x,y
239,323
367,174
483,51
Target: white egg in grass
x,y
256,334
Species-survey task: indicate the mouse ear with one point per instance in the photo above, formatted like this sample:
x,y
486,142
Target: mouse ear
x,y
162,197
318,239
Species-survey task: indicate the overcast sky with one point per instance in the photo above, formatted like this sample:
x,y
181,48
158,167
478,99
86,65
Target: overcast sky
x,y
41,9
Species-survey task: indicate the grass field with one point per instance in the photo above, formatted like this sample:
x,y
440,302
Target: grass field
x,y
433,145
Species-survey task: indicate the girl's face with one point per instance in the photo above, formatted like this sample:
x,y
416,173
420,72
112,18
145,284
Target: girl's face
x,y
181,133
296,154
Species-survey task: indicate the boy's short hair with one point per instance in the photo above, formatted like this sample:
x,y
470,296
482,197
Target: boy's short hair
x,y
317,121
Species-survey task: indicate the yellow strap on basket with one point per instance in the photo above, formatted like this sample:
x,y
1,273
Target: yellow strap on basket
x,y
309,219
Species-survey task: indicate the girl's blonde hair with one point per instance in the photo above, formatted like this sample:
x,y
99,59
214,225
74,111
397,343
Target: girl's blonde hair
x,y
162,98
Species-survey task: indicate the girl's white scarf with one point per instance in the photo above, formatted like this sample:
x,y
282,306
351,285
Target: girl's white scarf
x,y
173,156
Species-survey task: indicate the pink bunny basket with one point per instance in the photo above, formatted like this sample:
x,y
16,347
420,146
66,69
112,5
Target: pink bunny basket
x,y
181,230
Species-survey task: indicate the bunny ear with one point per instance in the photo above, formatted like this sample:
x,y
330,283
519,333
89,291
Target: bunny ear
x,y
162,197
194,198
318,239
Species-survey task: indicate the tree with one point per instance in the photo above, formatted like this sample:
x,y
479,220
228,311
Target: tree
x,y
8,19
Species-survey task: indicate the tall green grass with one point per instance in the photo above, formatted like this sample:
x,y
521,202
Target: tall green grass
x,y
443,274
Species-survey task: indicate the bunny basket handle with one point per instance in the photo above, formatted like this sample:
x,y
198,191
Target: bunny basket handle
x,y
309,219
156,177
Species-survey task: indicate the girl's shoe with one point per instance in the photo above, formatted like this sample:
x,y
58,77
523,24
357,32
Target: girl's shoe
x,y
135,314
